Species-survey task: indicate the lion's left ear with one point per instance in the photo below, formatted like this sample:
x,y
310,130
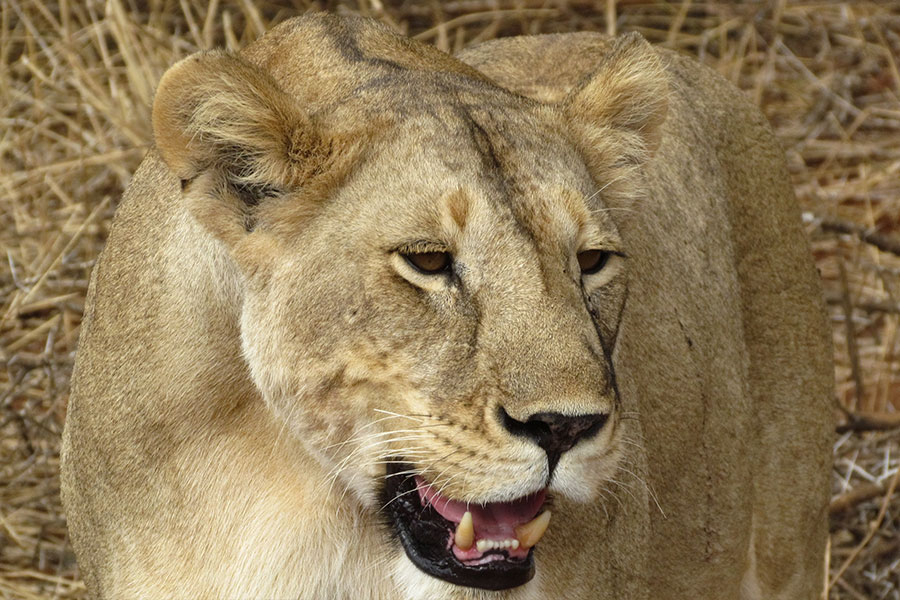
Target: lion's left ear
x,y
616,114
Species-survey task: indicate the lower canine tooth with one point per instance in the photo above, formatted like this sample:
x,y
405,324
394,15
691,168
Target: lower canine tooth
x,y
465,532
531,533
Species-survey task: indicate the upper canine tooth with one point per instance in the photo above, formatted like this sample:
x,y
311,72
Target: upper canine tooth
x,y
465,532
531,533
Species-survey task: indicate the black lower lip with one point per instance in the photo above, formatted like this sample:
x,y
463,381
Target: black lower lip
x,y
424,533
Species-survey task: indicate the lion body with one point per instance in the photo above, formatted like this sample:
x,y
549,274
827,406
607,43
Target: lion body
x,y
182,479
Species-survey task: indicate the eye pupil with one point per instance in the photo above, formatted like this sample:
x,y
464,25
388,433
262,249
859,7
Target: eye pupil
x,y
429,262
591,261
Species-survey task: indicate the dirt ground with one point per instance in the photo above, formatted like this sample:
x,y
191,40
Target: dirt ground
x,y
76,82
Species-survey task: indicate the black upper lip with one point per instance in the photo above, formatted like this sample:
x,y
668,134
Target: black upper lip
x,y
424,535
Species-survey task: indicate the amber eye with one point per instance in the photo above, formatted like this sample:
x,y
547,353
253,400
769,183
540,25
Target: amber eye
x,y
430,263
592,261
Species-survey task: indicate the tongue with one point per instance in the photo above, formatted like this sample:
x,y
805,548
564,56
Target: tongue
x,y
495,520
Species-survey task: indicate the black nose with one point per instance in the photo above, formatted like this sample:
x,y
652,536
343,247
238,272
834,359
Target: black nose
x,y
554,432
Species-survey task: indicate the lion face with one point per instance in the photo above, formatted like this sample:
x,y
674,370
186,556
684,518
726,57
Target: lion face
x,y
453,331
433,287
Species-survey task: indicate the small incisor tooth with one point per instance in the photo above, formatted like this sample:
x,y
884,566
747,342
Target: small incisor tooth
x,y
531,533
465,532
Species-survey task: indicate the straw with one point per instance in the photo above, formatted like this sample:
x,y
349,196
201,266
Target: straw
x,y
76,81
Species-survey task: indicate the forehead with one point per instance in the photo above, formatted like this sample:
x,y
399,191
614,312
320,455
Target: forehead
x,y
508,151
470,124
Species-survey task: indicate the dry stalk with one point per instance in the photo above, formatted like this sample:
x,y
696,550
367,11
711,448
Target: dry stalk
x,y
873,529
76,80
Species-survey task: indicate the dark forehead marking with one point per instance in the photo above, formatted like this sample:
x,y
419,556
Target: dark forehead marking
x,y
404,93
346,44
482,143
425,91
484,126
491,139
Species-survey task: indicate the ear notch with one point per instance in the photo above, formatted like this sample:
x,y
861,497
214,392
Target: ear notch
x,y
616,114
215,112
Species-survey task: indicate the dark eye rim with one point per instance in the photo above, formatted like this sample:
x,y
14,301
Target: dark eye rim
x,y
598,265
446,267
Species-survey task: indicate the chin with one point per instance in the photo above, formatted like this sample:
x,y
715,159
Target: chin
x,y
413,584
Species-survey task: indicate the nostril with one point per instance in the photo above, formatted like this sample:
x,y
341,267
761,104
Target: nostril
x,y
554,432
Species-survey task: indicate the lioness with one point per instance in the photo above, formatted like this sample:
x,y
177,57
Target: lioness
x,y
376,322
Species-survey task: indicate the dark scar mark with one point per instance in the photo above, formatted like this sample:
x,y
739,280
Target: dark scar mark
x,y
347,45
485,148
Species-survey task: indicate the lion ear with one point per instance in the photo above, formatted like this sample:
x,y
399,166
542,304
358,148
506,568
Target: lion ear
x,y
616,114
214,110
223,124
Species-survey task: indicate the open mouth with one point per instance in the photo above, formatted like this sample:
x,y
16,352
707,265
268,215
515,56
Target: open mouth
x,y
487,546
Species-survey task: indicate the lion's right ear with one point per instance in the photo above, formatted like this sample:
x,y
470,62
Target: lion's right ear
x,y
226,124
214,110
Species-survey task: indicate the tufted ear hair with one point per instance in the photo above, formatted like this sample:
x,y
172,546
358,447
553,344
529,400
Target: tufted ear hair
x,y
213,109
223,124
616,114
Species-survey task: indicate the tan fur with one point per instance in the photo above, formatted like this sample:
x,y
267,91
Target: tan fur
x,y
254,347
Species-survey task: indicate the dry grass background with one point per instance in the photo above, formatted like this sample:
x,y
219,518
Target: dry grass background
x,y
76,82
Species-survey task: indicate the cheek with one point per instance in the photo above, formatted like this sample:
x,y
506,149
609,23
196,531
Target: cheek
x,y
434,333
325,360
289,334
304,380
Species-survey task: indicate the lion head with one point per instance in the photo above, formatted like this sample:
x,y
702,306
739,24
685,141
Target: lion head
x,y
432,277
